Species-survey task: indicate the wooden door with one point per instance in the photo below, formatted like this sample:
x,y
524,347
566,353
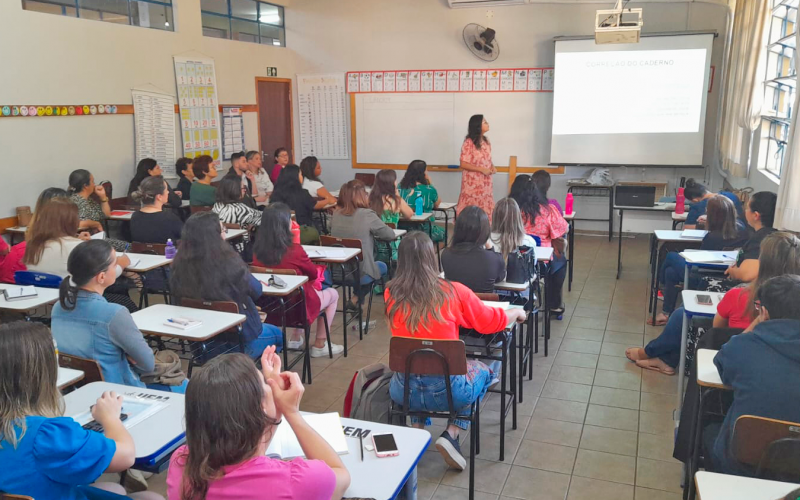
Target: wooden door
x,y
275,127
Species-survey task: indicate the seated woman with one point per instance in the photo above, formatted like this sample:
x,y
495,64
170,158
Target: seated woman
x,y
289,190
274,248
311,170
208,268
11,262
52,455
230,461
421,305
203,194
699,195
780,254
263,184
508,231
354,219
468,260
184,169
417,184
722,235
760,215
384,201
541,179
281,160
85,324
544,221
150,168
231,209
152,224
92,202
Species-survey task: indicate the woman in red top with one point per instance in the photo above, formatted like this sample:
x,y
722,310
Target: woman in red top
x,y
477,168
419,304
274,248
545,222
281,160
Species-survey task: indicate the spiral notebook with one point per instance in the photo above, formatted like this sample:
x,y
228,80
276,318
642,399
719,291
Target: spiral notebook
x,y
285,445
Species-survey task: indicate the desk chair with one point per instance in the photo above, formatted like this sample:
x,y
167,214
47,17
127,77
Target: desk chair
x,y
89,367
152,249
367,179
32,278
434,357
771,446
199,208
349,280
206,352
387,245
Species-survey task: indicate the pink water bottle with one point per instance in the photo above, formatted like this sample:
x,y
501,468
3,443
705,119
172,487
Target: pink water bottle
x,y
680,199
295,229
568,204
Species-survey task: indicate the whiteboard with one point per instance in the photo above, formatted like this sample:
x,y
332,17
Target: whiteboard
x,y
398,128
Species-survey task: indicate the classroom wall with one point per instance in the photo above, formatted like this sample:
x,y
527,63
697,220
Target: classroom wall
x,y
50,59
419,34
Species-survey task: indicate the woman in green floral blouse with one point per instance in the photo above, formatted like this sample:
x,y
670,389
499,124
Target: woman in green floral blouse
x,y
390,207
417,183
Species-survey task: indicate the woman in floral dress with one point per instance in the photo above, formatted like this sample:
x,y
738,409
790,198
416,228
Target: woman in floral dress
x,y
477,168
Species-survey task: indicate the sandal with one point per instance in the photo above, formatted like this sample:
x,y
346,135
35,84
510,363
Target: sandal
x,y
656,365
636,354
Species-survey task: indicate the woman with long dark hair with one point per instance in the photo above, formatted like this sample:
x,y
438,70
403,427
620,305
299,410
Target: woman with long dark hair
x,y
699,195
477,168
208,268
421,305
468,260
311,170
184,169
417,184
541,179
274,248
281,160
148,167
232,413
390,207
545,222
289,190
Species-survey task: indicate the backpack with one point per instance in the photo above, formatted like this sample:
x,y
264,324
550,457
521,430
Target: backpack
x,y
368,397
521,265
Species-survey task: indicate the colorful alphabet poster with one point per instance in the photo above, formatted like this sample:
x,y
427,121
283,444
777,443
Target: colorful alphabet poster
x,y
451,80
199,107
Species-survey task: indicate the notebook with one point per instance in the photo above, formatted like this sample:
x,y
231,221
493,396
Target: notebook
x,y
182,323
284,443
99,235
19,293
693,234
710,257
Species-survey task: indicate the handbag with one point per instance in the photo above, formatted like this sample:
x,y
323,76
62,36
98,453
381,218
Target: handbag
x,y
167,370
521,265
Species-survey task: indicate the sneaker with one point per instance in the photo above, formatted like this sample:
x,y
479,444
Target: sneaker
x,y
134,481
296,344
372,324
350,307
660,295
451,451
321,352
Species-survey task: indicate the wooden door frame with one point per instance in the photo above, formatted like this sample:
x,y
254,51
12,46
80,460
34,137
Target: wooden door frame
x,y
291,109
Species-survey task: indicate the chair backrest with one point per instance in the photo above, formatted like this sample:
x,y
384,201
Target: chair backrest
x,y
231,225
367,179
199,208
391,225
537,239
89,367
270,270
33,278
109,189
427,357
492,297
148,248
333,241
211,305
753,436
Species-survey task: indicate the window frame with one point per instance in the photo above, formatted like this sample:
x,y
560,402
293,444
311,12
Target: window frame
x,y
76,5
231,18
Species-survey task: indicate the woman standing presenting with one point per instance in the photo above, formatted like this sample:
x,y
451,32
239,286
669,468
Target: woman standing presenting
x,y
477,168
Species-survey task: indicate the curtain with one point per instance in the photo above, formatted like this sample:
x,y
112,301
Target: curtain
x,y
743,91
787,212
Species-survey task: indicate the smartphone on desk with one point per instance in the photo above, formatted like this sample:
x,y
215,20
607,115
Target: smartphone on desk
x,y
704,300
385,445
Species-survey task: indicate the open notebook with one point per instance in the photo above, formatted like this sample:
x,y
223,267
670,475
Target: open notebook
x,y
284,443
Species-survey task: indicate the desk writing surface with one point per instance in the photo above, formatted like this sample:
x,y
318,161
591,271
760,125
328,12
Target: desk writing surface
x,y
398,233
446,205
514,287
423,217
570,216
707,373
185,203
17,229
142,262
67,377
713,486
658,207
544,253
691,306
716,257
292,284
44,297
330,254
680,217
662,235
150,320
151,434
234,233
381,478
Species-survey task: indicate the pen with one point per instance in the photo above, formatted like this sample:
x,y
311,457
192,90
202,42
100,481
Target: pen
x,y
361,443
126,248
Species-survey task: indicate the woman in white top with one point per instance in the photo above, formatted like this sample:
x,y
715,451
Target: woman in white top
x,y
508,231
311,170
261,177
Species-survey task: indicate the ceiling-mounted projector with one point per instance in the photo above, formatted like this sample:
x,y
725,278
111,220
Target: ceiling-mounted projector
x,y
618,25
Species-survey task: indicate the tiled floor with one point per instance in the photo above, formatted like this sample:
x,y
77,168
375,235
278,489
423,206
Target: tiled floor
x,y
592,425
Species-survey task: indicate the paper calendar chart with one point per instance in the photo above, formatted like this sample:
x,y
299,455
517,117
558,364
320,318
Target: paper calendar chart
x,y
323,112
451,80
199,107
154,128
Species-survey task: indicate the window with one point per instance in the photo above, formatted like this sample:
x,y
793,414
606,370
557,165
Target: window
x,y
244,20
779,85
156,14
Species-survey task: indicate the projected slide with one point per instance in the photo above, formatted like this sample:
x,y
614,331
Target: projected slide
x,y
629,92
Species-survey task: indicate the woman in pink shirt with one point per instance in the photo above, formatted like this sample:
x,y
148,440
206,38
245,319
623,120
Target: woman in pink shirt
x,y
232,413
281,160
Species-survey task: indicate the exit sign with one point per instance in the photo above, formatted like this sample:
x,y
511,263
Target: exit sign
x,y
272,71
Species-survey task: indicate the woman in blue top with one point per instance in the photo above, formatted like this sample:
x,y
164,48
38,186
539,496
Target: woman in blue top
x,y
52,455
85,324
699,195
208,268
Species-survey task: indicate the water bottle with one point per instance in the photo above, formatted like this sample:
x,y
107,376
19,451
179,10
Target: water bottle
x,y
568,204
680,199
418,204
295,229
170,251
